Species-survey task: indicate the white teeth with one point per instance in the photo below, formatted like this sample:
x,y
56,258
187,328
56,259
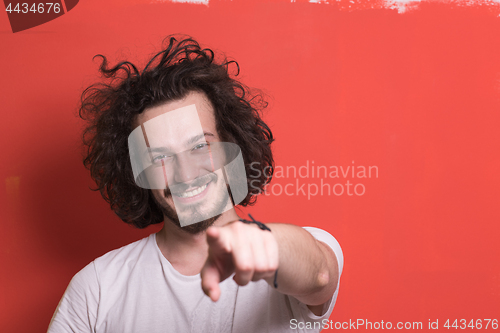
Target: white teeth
x,y
192,193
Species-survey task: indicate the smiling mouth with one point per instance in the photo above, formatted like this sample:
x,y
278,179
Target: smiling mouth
x,y
191,193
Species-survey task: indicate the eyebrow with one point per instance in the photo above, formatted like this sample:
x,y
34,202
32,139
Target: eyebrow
x,y
198,137
190,141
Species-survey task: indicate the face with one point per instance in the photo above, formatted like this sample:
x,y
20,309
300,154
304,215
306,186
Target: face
x,y
181,137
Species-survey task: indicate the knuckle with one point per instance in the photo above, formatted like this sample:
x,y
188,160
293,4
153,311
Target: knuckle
x,y
261,267
238,225
245,267
273,266
243,282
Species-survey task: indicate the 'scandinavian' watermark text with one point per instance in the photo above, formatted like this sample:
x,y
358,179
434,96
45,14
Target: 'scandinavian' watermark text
x,y
312,180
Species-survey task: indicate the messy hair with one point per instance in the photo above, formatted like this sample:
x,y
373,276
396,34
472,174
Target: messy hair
x,y
111,107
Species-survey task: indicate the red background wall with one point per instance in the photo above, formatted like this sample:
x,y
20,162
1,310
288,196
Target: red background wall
x,y
415,94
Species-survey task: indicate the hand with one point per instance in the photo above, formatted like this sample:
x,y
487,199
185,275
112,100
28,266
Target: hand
x,y
243,249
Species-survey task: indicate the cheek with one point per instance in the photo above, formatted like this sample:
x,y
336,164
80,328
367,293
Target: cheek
x,y
157,177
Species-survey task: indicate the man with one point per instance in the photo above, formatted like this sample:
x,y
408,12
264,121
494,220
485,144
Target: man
x,y
171,143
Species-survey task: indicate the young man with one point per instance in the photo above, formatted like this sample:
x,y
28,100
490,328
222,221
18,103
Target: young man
x,y
173,143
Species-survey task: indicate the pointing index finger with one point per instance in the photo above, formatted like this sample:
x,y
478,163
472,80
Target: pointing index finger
x,y
217,242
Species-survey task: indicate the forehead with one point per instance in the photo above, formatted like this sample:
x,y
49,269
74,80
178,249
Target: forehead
x,y
182,120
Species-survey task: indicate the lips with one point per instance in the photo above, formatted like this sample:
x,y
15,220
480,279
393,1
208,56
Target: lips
x,y
188,194
191,193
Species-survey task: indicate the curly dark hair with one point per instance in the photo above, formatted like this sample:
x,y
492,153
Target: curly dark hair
x,y
110,108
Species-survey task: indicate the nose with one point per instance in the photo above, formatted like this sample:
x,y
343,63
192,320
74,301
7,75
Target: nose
x,y
186,170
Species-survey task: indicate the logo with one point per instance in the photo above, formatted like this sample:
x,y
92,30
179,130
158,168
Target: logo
x,y
28,14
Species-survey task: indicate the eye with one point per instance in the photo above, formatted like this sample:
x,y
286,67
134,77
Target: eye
x,y
159,158
200,147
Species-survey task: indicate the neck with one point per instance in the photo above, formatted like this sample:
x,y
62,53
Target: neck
x,y
185,251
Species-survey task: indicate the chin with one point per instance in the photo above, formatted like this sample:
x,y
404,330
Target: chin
x,y
198,215
199,227
171,216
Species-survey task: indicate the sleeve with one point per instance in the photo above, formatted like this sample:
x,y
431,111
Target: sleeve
x,y
77,309
299,307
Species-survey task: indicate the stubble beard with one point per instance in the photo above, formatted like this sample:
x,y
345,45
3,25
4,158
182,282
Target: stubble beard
x,y
170,213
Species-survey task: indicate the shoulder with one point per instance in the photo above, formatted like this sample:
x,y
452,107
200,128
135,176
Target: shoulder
x,y
125,253
124,259
108,265
113,259
78,308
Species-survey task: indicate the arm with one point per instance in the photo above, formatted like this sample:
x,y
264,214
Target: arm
x,y
308,268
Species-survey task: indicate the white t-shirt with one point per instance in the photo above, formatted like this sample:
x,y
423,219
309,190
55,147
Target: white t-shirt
x,y
135,289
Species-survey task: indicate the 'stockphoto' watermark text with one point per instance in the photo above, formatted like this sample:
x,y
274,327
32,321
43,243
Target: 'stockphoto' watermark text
x,y
430,324
311,180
